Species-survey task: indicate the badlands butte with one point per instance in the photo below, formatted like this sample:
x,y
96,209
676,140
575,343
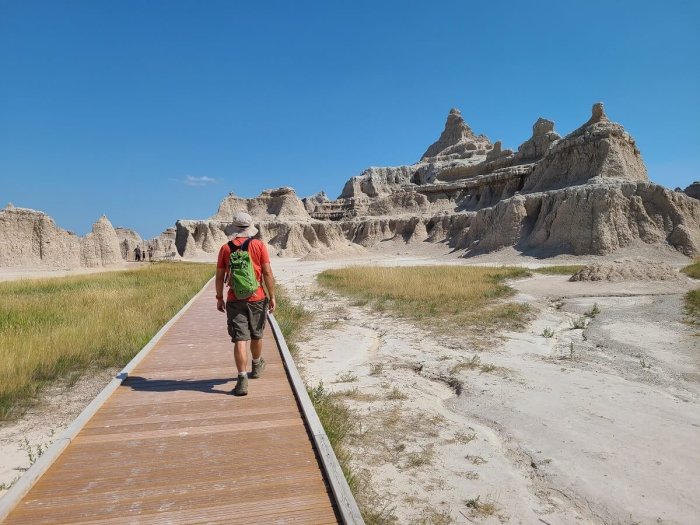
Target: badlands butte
x,y
587,193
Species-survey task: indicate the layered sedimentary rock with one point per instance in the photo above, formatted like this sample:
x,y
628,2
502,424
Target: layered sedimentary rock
x,y
31,239
585,193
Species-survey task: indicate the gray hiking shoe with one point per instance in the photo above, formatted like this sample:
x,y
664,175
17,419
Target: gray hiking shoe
x,y
241,388
257,369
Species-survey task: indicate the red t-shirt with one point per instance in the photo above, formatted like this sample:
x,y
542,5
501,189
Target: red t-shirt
x,y
258,256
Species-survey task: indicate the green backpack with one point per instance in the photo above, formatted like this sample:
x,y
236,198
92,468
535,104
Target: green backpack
x,y
241,272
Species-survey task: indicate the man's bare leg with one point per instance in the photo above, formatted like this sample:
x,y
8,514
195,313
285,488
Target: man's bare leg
x,y
256,348
240,352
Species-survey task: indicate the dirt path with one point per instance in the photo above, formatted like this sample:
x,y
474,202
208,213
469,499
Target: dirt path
x,y
598,424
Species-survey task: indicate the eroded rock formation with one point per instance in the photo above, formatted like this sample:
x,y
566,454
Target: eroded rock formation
x,y
31,239
693,190
585,193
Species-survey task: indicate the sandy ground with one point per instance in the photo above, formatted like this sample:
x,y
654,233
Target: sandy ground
x,y
593,425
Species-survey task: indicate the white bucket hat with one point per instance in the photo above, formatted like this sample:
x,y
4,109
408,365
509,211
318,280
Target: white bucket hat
x,y
242,225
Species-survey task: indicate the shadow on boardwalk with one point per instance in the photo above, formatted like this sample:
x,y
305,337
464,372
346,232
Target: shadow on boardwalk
x,y
172,385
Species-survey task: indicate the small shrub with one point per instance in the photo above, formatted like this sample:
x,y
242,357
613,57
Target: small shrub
x,y
548,333
34,452
375,369
462,438
472,364
487,367
593,311
475,460
420,459
395,394
347,377
356,395
579,323
484,508
331,323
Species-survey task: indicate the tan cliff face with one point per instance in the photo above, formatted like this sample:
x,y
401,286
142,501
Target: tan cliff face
x,y
31,239
585,193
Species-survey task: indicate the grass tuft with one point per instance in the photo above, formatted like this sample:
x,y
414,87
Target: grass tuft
x,y
395,394
692,306
482,508
693,270
291,319
56,328
595,310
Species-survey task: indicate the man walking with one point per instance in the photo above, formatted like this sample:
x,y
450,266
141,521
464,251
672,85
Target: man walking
x,y
245,315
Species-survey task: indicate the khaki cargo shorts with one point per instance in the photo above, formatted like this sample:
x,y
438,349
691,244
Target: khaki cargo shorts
x,y
246,320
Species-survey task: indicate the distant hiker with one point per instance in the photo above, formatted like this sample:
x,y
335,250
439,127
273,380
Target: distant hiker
x,y
137,253
150,253
246,262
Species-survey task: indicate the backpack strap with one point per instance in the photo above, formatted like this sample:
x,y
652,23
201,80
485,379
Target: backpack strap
x,y
243,247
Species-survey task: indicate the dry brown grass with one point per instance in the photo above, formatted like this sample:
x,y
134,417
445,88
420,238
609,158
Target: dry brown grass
x,y
559,270
467,297
56,328
693,270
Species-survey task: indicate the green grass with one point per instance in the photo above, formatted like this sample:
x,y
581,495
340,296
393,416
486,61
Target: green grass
x,y
467,297
692,306
292,320
692,270
54,329
559,270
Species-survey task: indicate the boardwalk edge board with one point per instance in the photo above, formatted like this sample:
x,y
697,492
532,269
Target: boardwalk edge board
x,y
347,506
13,496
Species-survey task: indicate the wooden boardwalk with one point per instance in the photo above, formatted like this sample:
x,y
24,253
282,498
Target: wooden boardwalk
x,y
171,445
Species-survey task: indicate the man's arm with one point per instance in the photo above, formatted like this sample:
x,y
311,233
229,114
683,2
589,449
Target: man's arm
x,y
269,280
220,303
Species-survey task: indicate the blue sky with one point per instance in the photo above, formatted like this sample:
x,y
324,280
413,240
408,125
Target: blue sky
x,y
153,111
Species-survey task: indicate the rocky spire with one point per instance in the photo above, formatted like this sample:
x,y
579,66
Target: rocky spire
x,y
597,116
543,135
456,130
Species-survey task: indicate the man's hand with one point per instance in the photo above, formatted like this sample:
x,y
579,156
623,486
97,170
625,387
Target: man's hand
x,y
221,305
272,304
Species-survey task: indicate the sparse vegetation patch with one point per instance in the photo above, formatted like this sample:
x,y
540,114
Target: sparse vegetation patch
x,y
693,270
467,297
692,306
559,270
